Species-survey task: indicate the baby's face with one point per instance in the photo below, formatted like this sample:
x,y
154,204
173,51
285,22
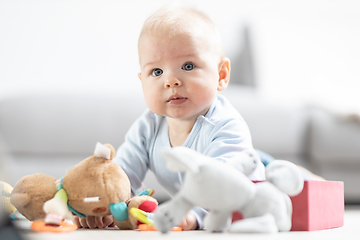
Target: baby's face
x,y
179,75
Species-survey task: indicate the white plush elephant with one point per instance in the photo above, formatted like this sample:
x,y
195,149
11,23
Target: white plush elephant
x,y
223,188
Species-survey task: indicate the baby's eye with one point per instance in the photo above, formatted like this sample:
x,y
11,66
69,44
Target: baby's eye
x,y
157,72
188,66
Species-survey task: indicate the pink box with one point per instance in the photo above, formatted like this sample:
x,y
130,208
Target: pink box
x,y
319,206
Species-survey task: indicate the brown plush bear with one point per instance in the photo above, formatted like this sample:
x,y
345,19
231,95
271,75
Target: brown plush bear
x,y
97,186
31,192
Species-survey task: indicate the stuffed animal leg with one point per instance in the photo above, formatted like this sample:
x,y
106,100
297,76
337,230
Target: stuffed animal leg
x,y
218,221
261,224
284,179
268,200
171,213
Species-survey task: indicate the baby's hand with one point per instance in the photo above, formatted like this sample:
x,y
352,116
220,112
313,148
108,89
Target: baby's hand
x,y
93,222
189,222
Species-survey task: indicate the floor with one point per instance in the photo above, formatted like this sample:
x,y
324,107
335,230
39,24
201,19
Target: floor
x,y
350,230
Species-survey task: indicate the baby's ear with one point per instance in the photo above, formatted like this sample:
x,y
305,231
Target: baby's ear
x,y
224,74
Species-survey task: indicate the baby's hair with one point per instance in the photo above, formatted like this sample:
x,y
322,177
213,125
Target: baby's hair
x,y
173,20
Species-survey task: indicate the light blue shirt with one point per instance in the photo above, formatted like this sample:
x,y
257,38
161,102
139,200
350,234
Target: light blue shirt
x,y
221,133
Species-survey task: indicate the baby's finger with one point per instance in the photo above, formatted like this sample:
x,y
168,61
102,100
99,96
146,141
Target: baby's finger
x,y
90,220
82,222
99,222
108,220
76,221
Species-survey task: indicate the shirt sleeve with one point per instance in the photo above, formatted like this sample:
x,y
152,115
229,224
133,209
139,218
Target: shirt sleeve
x,y
229,138
132,156
200,214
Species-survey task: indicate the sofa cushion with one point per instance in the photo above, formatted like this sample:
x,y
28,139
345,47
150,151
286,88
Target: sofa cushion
x,y
333,139
276,128
67,124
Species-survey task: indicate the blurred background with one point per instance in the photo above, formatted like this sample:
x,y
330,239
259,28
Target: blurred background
x,y
286,56
298,50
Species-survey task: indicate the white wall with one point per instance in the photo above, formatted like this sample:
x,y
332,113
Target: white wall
x,y
303,50
310,51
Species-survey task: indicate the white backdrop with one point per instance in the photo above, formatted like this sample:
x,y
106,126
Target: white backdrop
x,y
303,50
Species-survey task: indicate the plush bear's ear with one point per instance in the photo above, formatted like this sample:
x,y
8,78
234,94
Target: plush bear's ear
x,y
182,159
20,199
112,153
106,151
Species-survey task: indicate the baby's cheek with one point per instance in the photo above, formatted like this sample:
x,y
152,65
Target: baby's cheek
x,y
155,104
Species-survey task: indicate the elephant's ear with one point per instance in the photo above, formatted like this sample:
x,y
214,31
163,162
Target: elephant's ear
x,y
286,176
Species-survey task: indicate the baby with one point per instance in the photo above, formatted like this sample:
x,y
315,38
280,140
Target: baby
x,y
183,67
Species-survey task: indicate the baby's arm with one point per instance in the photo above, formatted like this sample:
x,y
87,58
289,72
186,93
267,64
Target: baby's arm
x,y
227,139
132,156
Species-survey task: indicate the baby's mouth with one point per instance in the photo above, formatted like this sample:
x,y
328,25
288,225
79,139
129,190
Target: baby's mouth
x,y
176,99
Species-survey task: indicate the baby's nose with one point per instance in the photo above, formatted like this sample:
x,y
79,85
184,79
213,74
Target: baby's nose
x,y
172,82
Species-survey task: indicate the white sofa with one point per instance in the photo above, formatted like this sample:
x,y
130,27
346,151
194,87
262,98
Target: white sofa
x,y
49,133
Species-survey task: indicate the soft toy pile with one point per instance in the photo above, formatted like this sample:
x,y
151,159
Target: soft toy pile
x,y
96,186
5,192
223,188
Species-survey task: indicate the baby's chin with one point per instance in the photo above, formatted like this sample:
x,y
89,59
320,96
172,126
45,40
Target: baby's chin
x,y
182,116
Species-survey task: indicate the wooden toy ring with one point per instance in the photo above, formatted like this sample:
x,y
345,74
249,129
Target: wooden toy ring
x,y
40,226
